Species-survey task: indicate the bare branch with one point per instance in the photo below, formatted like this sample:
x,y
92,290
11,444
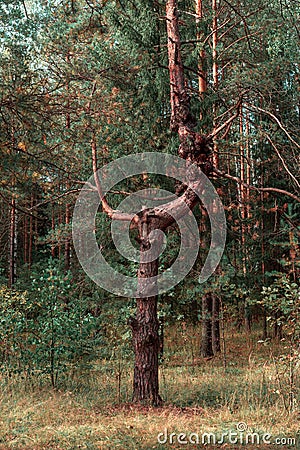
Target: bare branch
x,y
224,125
25,9
56,197
268,113
113,214
18,208
283,161
223,174
238,40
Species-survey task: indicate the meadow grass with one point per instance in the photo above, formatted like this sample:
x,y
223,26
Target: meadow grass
x,y
92,410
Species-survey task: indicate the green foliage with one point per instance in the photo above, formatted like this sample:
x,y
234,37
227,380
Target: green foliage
x,y
47,330
282,301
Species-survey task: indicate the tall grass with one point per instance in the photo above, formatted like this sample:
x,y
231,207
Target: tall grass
x,y
93,409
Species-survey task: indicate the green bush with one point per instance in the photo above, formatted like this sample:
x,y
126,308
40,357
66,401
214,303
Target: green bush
x,y
46,330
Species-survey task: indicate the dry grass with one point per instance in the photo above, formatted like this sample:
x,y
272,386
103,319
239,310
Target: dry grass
x,y
200,396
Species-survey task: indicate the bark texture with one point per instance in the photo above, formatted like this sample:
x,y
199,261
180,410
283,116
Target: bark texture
x,y
216,311
206,341
145,326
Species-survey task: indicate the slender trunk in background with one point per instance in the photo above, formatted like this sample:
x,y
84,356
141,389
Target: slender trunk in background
x,y
36,234
216,312
243,208
293,254
263,266
68,239
206,341
12,244
248,174
25,239
67,208
52,228
60,221
215,76
202,56
30,234
242,194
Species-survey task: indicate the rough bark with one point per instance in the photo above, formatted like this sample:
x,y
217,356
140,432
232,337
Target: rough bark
x,y
206,341
202,56
145,326
193,147
216,311
68,240
13,244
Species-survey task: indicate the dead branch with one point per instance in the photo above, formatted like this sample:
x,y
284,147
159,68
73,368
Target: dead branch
x,y
283,161
268,113
223,174
113,214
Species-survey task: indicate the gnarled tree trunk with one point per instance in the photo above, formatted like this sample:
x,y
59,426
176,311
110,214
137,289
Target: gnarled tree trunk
x,y
145,326
194,148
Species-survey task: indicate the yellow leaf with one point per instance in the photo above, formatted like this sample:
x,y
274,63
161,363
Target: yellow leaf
x,y
22,146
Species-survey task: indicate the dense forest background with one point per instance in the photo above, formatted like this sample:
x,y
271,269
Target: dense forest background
x,y
84,82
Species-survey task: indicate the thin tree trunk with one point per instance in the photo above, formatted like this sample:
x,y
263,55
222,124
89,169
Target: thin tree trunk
x,y
244,200
161,338
13,244
67,210
53,228
202,56
216,310
206,341
60,221
215,76
67,243
30,235
263,267
25,235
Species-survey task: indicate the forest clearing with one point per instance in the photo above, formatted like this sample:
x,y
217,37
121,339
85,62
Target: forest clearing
x,y
94,410
149,224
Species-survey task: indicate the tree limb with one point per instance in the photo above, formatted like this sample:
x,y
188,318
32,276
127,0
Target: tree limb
x,y
223,174
283,161
268,113
113,214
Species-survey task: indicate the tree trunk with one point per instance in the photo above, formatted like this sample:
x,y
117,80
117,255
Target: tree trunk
x,y
146,350
277,326
216,324
68,242
247,318
193,148
145,326
215,71
202,56
206,341
13,244
161,338
30,235
25,238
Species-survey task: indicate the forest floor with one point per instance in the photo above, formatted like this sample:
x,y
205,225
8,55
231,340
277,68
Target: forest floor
x,y
251,389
